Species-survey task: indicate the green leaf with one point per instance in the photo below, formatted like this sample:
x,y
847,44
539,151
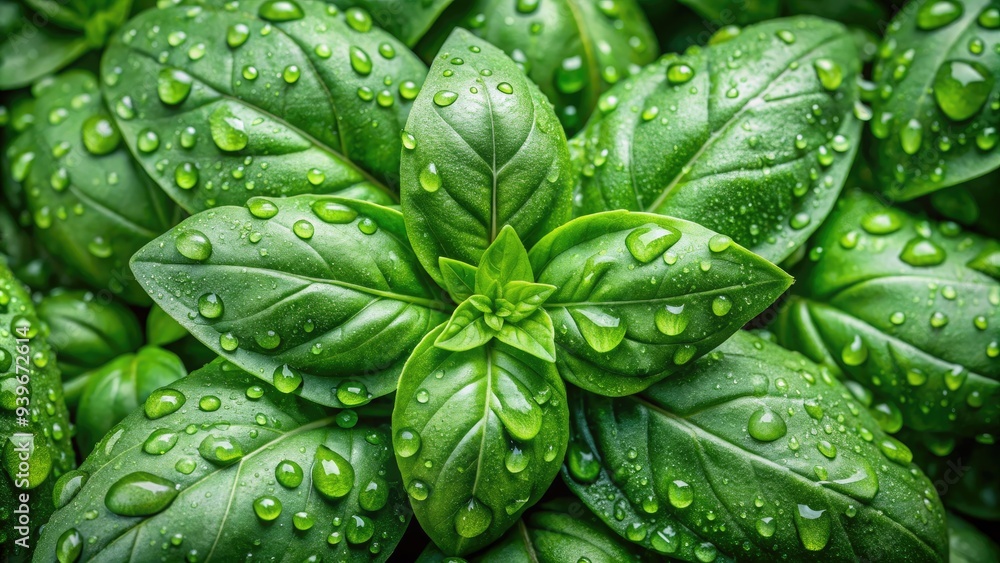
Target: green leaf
x,y
234,470
968,545
407,21
317,294
87,331
92,206
895,302
505,261
28,364
467,328
746,136
739,12
533,335
737,440
478,436
162,329
641,295
558,531
965,470
458,278
970,203
487,152
521,298
935,123
233,123
573,49
116,389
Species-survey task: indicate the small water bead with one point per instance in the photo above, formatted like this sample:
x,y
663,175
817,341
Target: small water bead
x,y
939,319
882,222
353,393
360,61
680,494
897,318
323,51
937,14
896,451
721,306
210,306
384,99
980,322
827,449
268,340
280,11
719,243
67,487
855,353
368,226
766,425
333,212
813,408
194,245
185,466
186,176
418,490
229,342
100,136
148,141
220,450
163,402
359,20
173,86
189,137
374,495
516,460
408,90
430,178
69,546
407,442
209,403
911,136
267,508
360,529
332,475
800,221
987,138
962,88
830,75
679,73
302,521
286,379
237,35
140,494
505,87
303,229
160,442
445,98
922,252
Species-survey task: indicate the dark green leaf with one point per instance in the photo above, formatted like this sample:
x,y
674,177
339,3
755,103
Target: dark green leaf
x,y
897,304
408,21
92,206
641,294
458,278
936,117
478,437
573,49
162,329
971,203
88,330
965,473
752,454
560,531
244,471
29,365
321,115
746,136
969,545
319,295
487,152
739,12
116,389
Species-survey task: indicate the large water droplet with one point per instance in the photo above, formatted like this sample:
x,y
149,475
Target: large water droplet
x,y
473,519
194,245
671,320
766,425
603,332
286,378
830,75
430,178
67,487
69,546
445,98
938,13
288,474
162,402
228,131
961,88
140,494
267,508
680,494
647,243
679,73
333,212
333,476
813,526
173,86
100,136
160,441
281,11
921,252
220,450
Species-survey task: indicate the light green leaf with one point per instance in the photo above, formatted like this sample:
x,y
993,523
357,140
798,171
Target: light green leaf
x,y
505,261
458,278
533,335
408,21
468,327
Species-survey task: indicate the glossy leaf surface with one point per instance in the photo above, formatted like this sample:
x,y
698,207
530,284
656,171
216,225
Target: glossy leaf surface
x,y
319,295
640,295
119,387
752,137
735,451
28,365
907,308
321,115
478,436
91,206
408,21
482,149
216,467
937,114
968,545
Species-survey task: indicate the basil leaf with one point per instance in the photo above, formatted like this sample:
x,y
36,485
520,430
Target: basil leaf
x,y
162,329
533,334
318,295
504,262
970,203
487,151
407,21
739,12
221,122
933,120
573,49
968,545
87,331
897,304
742,432
467,328
27,362
752,137
92,207
555,532
640,295
965,472
478,439
119,387
458,278
152,469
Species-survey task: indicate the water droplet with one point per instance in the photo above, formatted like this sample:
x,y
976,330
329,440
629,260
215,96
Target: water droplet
x,y
360,529
100,136
333,476
603,332
445,98
360,61
855,353
286,379
830,75
583,465
353,393
237,35
647,243
430,178
359,20
303,229
228,131
186,176
418,490
721,306
148,141
505,87
69,546
679,73
680,494
333,212
766,425
229,342
173,86
671,320
719,243
896,451
162,402
882,222
911,136
193,245
921,252
67,487
375,495
267,508
280,11
473,519
220,450
571,76
288,474
407,442
160,442
961,88
516,459
140,494
938,13
827,449
939,319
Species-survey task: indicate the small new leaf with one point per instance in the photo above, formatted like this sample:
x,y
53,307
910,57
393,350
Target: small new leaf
x,y
467,327
533,335
504,261
459,278
524,298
